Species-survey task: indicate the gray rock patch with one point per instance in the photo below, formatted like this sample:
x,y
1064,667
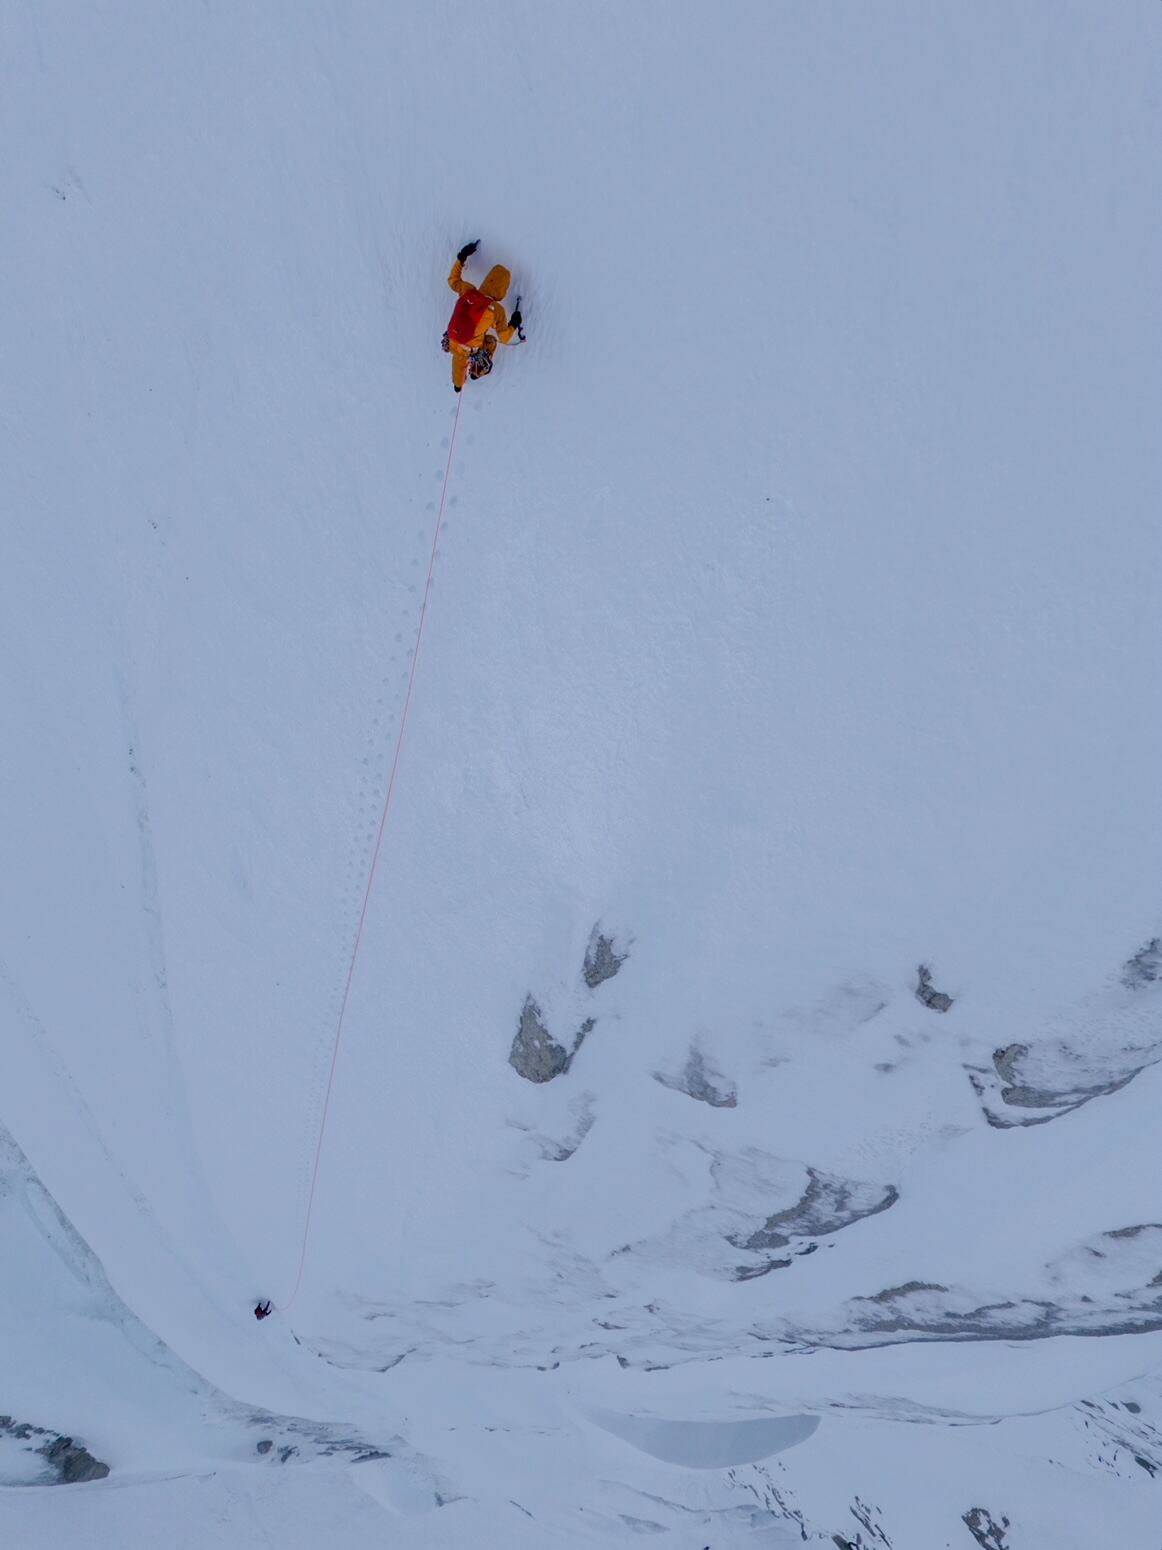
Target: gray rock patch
x,y
1048,1082
535,1054
827,1205
989,1534
1145,967
602,959
1105,1285
1130,1435
73,1463
891,1293
1119,1233
1026,1318
1038,1079
1005,1060
703,1082
934,1000
66,1462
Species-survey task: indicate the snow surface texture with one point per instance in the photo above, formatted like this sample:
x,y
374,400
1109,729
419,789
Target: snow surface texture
x,y
790,676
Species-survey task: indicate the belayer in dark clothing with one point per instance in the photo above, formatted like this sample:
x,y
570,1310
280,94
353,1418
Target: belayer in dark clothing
x,y
263,1310
479,321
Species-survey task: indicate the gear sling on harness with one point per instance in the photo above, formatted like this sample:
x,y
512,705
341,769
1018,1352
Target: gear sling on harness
x,y
479,361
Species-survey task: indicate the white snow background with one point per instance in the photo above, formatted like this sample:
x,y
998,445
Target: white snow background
x,y
795,621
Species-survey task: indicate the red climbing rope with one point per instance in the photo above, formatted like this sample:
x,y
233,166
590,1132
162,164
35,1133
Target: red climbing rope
x,y
403,721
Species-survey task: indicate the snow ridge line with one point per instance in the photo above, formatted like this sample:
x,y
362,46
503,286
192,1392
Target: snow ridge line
x,y
403,721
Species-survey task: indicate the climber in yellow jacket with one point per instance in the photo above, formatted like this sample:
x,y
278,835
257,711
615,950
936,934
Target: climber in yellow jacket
x,y
479,321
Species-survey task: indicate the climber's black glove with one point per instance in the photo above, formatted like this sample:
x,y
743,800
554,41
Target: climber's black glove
x,y
466,251
515,320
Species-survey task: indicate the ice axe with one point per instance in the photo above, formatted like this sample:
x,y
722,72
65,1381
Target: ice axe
x,y
520,332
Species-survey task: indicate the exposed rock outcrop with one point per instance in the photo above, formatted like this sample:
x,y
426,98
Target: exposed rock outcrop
x,y
760,1214
1092,1054
1145,967
988,1533
1128,1443
1031,1085
72,1462
1110,1284
827,1205
602,959
65,1461
535,1054
702,1081
934,1000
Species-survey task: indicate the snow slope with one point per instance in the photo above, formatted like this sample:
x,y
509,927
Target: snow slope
x,y
794,625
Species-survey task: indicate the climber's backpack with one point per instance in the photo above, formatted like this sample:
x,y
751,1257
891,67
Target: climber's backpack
x,y
468,318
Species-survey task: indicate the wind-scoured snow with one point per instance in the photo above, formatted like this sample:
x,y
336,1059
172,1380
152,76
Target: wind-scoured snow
x,y
757,1023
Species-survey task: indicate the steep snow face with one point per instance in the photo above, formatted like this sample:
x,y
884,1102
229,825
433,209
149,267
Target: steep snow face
x,y
762,962
75,1350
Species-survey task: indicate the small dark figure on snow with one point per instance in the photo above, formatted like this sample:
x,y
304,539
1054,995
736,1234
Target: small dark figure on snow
x,y
263,1310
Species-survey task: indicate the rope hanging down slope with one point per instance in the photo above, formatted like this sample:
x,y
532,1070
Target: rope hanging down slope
x,y
403,721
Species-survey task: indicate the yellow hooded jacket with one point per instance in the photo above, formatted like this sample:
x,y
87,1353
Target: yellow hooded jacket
x,y
495,287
